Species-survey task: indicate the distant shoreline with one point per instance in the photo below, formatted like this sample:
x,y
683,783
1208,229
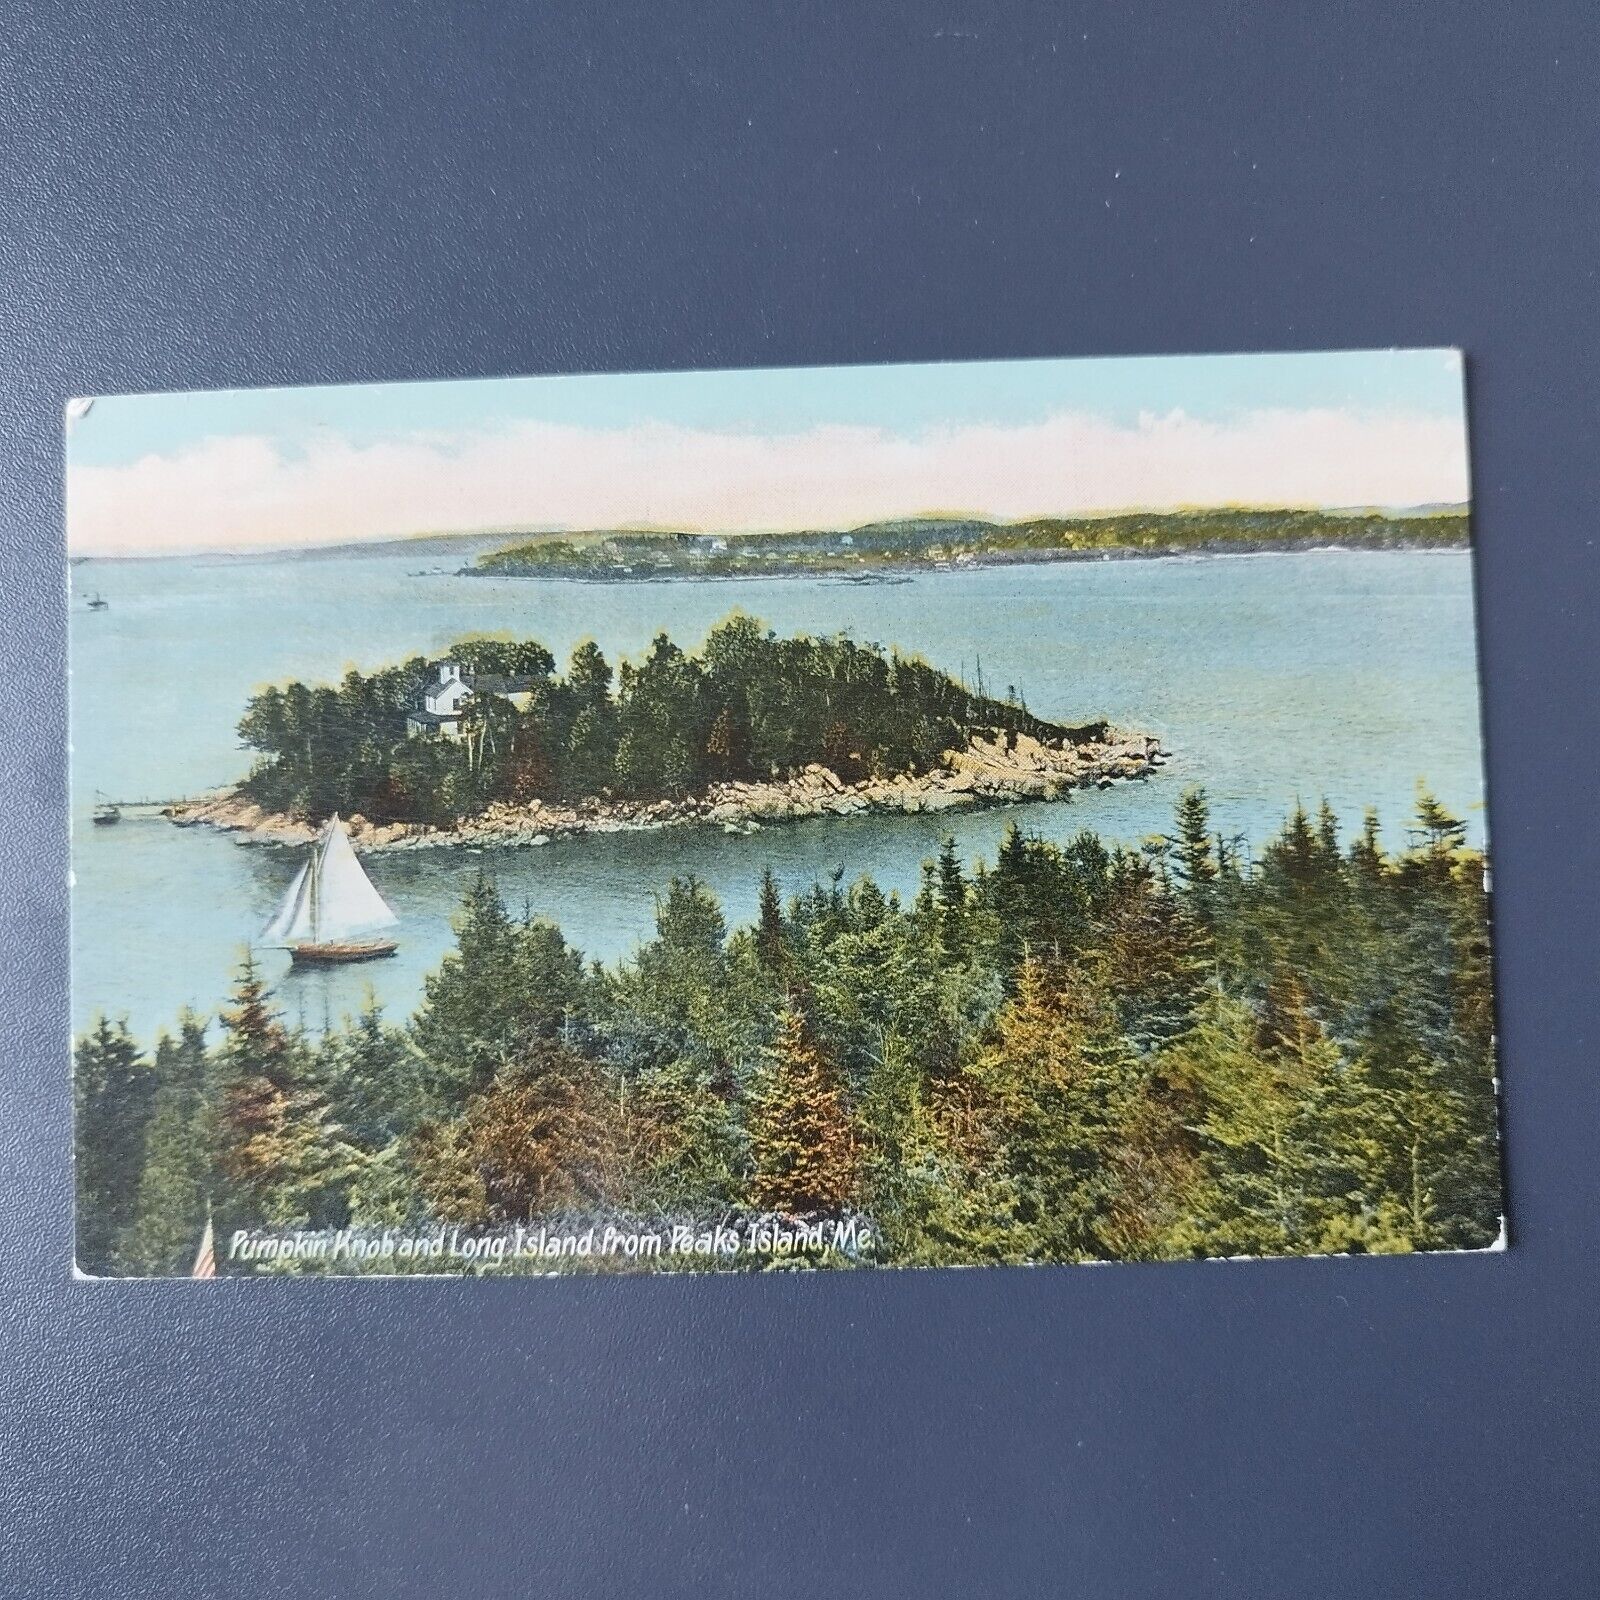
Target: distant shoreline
x,y
990,771
895,568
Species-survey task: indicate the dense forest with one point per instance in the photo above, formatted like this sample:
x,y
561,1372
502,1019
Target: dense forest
x,y
1073,1052
747,704
921,542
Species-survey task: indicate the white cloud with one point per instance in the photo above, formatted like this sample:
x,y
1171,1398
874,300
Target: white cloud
x,y
244,492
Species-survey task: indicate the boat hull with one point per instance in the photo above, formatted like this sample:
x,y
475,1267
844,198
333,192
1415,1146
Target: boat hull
x,y
335,953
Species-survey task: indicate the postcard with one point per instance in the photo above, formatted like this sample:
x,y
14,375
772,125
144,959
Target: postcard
x,y
904,816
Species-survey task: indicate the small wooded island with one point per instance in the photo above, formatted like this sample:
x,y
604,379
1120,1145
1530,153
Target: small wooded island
x,y
931,543
491,743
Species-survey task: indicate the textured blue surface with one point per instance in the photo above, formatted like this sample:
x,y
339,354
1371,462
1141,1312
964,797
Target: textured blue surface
x,y
293,194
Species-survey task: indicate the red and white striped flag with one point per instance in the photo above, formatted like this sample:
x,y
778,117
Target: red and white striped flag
x,y
205,1264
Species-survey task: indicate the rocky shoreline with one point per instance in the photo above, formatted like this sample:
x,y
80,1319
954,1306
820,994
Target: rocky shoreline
x,y
999,770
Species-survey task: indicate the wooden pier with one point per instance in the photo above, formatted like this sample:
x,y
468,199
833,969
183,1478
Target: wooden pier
x,y
151,807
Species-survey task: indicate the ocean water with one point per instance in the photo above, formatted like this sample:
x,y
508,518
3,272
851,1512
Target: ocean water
x,y
1272,678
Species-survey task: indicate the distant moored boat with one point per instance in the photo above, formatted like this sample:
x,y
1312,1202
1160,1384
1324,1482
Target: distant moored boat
x,y
330,903
105,811
98,602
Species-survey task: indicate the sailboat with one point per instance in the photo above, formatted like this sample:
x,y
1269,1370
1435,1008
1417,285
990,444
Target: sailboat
x,y
330,903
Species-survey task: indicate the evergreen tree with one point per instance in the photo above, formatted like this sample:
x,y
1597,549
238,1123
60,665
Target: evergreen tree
x,y
281,1159
1054,1088
1197,865
662,721
1294,858
1428,1054
113,1093
592,741
952,901
869,906
254,1041
1041,898
1116,1062
802,1141
689,1155
1327,835
1367,860
1157,956
689,922
471,1017
838,751
375,1081
677,1001
728,747
1441,833
1285,1125
547,1134
769,927
178,1179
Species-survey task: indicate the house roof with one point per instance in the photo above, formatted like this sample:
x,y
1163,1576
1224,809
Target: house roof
x,y
497,683
432,719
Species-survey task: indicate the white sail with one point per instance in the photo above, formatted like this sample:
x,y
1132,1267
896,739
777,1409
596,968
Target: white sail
x,y
345,900
330,899
292,919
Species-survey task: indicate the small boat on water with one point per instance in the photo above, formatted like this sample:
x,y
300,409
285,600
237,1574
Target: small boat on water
x,y
329,905
105,811
98,602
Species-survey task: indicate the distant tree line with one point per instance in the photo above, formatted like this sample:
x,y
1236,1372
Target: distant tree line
x,y
917,541
1072,1053
747,705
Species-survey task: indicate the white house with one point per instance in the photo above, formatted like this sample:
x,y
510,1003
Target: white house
x,y
445,700
442,704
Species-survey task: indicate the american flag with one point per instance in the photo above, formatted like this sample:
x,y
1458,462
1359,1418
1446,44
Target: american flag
x,y
205,1264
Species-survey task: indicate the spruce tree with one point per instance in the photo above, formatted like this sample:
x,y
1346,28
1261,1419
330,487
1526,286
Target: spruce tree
x,y
178,1180
868,904
374,1079
769,924
1427,1047
281,1158
1367,859
1441,832
802,1141
1327,835
470,1019
591,746
689,922
952,902
1293,858
1197,866
1158,955
1267,1092
113,1093
255,1043
1054,1086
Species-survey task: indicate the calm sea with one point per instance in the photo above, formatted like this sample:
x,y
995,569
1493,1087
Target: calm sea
x,y
1271,677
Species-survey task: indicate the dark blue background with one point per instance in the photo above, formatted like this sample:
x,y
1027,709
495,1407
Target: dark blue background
x,y
217,195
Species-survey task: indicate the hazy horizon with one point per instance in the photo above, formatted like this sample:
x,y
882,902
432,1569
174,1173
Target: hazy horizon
x,y
762,451
445,535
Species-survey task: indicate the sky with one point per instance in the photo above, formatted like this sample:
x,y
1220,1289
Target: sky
x,y
762,449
